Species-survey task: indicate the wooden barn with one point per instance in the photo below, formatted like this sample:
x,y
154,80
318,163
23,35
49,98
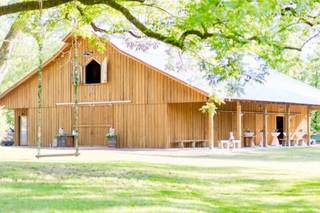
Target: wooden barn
x,y
148,106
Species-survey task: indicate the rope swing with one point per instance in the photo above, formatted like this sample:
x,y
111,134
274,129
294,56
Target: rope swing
x,y
39,40
76,79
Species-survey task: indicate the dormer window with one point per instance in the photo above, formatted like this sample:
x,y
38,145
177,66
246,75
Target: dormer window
x,y
93,73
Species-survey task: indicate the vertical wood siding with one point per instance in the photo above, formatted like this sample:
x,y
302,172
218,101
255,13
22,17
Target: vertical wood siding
x,y
161,109
225,122
142,123
186,122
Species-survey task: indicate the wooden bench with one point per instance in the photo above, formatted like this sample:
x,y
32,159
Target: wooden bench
x,y
189,143
227,143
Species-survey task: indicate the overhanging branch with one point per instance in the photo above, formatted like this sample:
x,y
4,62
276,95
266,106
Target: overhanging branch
x,y
172,40
140,26
98,29
34,5
46,4
304,43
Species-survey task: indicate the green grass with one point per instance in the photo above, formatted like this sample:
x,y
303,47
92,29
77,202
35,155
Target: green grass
x,y
281,180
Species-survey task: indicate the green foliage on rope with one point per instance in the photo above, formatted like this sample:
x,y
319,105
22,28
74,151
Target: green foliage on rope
x,y
76,81
40,97
39,38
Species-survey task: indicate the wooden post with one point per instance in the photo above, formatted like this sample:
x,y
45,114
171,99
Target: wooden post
x,y
265,126
287,124
210,130
239,122
308,126
16,128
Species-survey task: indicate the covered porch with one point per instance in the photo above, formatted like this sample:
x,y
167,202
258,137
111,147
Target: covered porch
x,y
261,124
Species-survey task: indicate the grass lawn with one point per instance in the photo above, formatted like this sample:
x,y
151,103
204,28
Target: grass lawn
x,y
273,180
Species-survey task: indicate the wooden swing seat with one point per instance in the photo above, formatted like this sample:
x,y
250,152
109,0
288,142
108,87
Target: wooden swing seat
x,y
58,155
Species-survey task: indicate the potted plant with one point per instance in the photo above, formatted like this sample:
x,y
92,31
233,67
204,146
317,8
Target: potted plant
x,y
60,138
248,133
112,138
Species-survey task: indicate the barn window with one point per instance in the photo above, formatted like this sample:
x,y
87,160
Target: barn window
x,y
93,73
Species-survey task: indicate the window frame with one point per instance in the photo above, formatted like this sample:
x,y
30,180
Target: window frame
x,y
84,71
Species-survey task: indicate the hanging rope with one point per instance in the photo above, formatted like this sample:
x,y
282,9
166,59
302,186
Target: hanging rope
x,y
76,80
40,70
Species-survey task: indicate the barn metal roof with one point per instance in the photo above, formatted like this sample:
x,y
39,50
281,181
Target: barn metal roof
x,y
277,87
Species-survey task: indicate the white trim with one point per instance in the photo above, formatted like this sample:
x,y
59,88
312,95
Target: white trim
x,y
94,103
104,70
92,58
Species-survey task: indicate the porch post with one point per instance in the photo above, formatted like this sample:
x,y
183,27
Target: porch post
x,y
265,126
308,126
16,128
210,130
288,124
239,122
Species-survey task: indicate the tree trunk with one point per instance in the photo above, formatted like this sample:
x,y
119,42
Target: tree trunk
x,y
5,51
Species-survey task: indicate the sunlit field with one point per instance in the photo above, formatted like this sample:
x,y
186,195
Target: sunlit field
x,y
262,180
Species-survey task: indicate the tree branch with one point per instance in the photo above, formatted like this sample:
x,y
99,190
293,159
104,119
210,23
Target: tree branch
x,y
5,50
177,42
307,22
98,29
34,5
46,4
201,35
140,26
30,6
172,40
159,8
304,43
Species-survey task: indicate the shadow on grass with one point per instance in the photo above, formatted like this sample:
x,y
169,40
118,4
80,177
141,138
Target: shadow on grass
x,y
58,197
294,154
50,187
54,198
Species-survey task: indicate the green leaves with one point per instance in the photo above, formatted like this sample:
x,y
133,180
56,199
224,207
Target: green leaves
x,y
227,29
211,105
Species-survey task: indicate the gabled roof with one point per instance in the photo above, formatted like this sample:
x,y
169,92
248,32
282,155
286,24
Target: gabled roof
x,y
277,87
281,88
33,72
67,41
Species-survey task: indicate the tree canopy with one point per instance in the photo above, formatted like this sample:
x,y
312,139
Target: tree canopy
x,y
217,33
228,29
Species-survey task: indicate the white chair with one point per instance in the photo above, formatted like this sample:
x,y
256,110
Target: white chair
x,y
261,139
236,142
231,141
223,143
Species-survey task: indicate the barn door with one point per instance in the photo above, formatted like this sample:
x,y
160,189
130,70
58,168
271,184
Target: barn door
x,y
94,123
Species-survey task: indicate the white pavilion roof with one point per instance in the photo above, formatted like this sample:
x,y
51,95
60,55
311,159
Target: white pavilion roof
x,y
277,87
